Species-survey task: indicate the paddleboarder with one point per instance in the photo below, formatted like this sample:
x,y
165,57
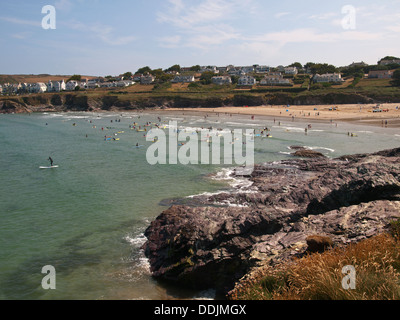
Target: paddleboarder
x,y
51,161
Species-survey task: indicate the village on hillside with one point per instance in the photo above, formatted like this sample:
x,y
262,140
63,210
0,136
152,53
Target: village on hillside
x,y
241,76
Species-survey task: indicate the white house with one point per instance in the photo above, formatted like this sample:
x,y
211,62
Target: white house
x,y
56,86
236,72
221,80
262,69
246,81
38,87
328,77
71,85
59,86
274,79
291,70
183,79
124,83
209,69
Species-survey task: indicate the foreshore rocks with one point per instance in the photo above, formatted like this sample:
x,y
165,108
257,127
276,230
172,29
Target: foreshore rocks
x,y
293,207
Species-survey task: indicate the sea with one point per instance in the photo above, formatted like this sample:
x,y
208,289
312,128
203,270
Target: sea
x,y
86,219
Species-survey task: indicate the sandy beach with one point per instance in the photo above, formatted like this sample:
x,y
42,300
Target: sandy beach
x,y
358,113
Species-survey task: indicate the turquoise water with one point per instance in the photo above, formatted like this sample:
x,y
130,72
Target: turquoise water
x,y
87,217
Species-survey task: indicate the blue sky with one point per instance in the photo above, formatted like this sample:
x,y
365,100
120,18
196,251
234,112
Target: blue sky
x,y
99,37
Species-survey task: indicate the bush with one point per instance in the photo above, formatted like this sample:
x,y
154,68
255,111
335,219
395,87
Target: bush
x,y
319,276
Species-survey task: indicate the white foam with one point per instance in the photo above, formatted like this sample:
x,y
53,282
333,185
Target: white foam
x,y
320,148
136,241
206,194
209,294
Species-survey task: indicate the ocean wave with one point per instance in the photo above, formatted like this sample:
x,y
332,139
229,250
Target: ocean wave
x,y
136,241
293,129
320,148
206,194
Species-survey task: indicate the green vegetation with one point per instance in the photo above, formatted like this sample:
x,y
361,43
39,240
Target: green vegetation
x,y
396,78
75,77
319,276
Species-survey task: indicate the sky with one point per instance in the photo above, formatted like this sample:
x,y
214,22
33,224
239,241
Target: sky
x,y
100,37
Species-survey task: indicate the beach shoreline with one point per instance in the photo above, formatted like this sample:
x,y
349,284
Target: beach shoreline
x,y
355,113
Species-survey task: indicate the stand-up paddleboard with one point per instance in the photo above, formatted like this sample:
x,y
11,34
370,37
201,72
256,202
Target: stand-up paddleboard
x,y
138,146
52,167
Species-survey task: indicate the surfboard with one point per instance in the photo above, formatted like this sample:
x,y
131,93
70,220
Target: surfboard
x,y
52,167
139,147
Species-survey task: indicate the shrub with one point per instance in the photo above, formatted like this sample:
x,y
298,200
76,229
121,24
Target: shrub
x,y
319,276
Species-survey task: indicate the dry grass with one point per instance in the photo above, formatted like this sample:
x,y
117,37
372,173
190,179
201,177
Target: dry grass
x,y
319,276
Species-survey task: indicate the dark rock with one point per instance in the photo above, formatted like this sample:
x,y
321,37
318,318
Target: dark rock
x,y
345,200
318,243
306,153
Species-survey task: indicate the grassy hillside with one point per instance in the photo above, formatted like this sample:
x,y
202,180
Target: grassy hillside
x,y
198,95
319,276
22,78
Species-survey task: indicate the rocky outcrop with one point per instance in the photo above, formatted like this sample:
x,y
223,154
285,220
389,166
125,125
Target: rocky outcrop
x,y
293,207
306,153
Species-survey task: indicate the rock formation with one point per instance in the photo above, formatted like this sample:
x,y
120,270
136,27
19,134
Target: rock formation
x,y
293,206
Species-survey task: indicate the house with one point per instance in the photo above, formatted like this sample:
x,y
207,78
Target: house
x,y
291,70
186,69
262,69
281,68
328,77
59,86
221,80
381,74
236,72
125,83
209,69
147,79
274,79
56,86
389,61
71,85
223,70
108,85
183,79
246,81
38,87
248,69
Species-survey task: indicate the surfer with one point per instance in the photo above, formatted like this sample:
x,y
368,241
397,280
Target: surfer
x,y
51,161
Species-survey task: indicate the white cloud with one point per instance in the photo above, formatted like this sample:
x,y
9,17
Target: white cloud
x,y
323,16
170,42
22,21
103,32
64,5
203,24
282,14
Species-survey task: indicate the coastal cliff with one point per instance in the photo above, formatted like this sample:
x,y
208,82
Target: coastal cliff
x,y
123,101
293,207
